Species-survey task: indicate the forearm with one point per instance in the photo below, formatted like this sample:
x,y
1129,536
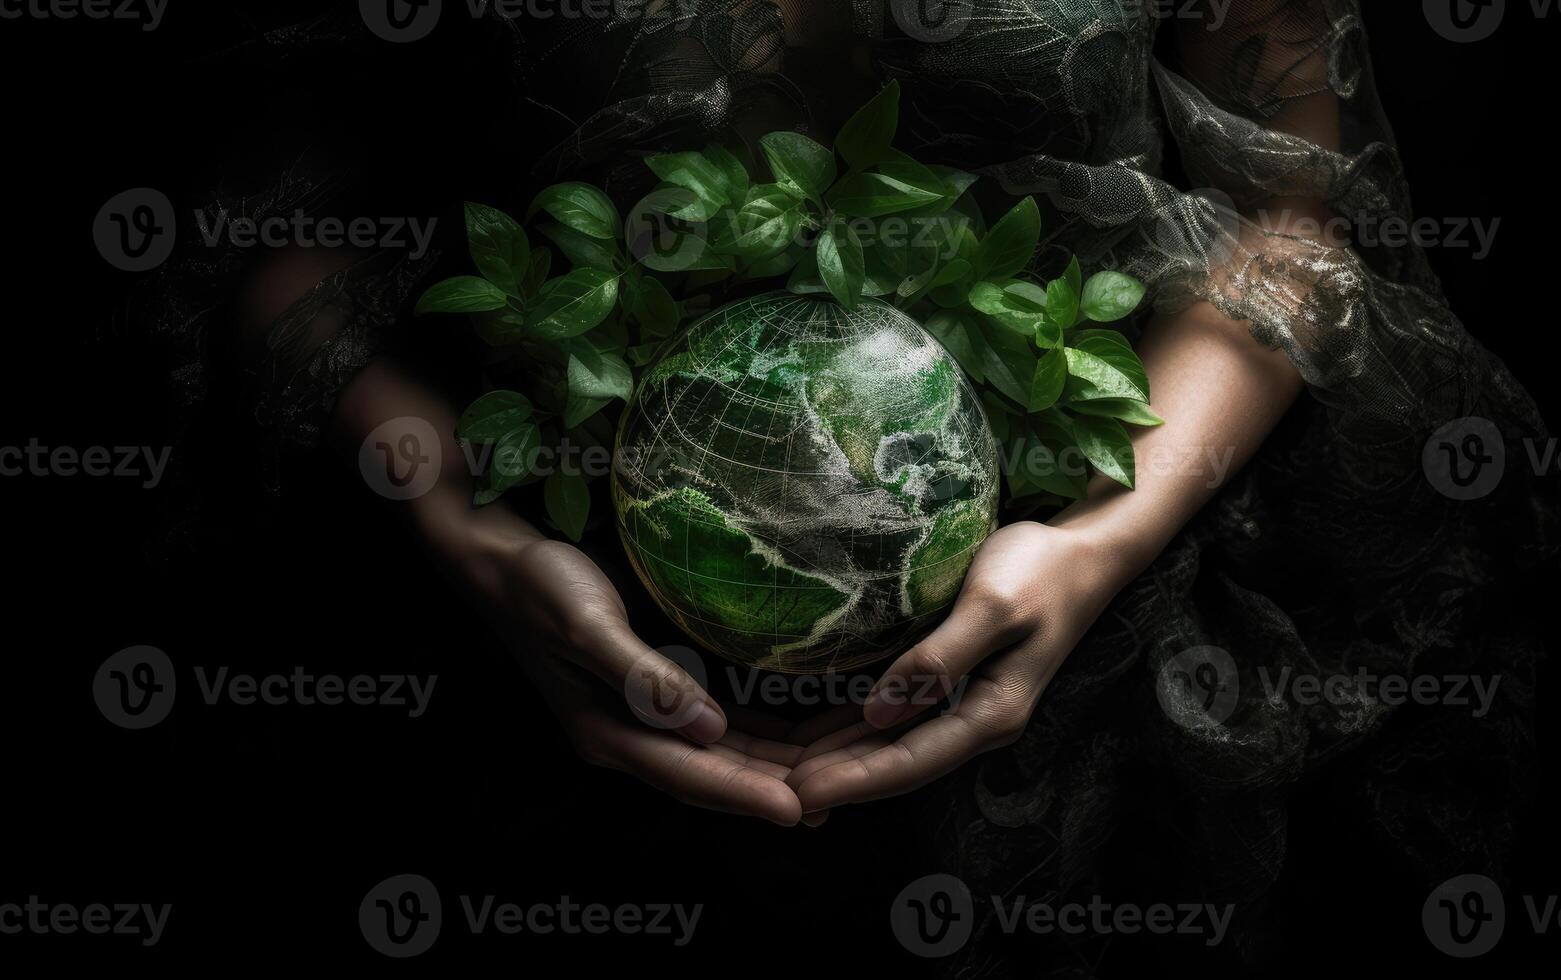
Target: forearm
x,y
1220,393
463,539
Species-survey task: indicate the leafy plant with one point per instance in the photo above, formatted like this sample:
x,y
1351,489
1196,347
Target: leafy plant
x,y
861,221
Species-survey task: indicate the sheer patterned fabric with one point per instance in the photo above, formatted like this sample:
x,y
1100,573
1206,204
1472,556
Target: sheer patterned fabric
x,y
1180,149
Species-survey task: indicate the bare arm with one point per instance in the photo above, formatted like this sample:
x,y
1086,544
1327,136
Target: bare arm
x,y
1034,589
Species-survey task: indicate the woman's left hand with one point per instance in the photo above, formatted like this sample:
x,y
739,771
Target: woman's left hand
x,y
1031,593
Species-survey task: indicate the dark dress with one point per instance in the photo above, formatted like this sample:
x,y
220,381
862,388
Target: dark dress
x,y
1340,548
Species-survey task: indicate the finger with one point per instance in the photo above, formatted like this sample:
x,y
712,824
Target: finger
x,y
987,718
928,672
698,776
657,689
815,819
758,765
768,750
847,752
810,730
858,732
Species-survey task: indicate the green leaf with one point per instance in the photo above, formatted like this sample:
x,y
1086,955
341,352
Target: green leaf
x,y
908,171
841,264
493,416
1066,471
803,168
648,301
1106,444
572,304
732,170
462,294
776,265
998,416
1008,361
961,339
581,207
865,138
1095,338
1049,466
1008,247
875,195
1019,306
805,277
763,227
695,173
1074,276
583,251
596,374
1062,302
1110,296
1051,373
679,202
1113,348
498,246
952,272
952,333
537,269
513,457
957,181
1123,409
568,500
1091,377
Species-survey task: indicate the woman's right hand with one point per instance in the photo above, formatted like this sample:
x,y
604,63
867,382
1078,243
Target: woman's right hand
x,y
622,704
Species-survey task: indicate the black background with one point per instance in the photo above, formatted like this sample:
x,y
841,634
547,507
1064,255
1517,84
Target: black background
x,y
265,826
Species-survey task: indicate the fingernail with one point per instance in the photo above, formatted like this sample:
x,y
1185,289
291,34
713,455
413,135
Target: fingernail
x,y
880,712
707,725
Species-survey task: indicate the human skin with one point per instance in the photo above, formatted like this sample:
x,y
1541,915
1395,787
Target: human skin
x,y
1032,592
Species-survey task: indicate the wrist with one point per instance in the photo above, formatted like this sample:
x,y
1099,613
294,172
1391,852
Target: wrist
x,y
1114,548
472,546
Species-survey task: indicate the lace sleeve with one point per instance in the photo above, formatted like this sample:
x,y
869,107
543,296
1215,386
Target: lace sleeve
x,y
1275,113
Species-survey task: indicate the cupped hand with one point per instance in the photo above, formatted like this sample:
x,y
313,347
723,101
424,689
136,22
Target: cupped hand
x,y
622,704
1031,593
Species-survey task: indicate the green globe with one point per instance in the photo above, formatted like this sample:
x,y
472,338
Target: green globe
x,y
802,487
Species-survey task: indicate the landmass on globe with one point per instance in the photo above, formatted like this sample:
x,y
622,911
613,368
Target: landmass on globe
x,y
802,487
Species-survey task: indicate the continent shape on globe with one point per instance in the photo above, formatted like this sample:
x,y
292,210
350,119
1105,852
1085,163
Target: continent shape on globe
x,y
802,487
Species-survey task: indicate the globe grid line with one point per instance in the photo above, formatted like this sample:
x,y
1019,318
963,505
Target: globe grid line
x,y
838,529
